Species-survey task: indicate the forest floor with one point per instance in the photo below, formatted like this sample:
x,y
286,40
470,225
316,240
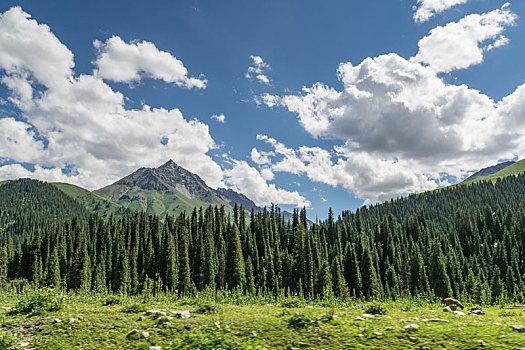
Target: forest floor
x,y
102,322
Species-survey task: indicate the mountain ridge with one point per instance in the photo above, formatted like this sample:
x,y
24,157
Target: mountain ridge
x,y
488,171
169,189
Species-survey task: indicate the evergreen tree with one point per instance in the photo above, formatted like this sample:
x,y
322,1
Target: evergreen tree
x,y
323,282
439,281
234,270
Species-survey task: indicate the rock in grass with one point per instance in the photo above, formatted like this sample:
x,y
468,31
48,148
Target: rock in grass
x,y
390,329
435,320
73,320
459,313
133,334
518,327
57,320
155,348
156,313
144,334
359,318
412,327
181,314
447,309
480,342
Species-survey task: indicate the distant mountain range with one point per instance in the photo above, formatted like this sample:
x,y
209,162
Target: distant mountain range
x,y
168,189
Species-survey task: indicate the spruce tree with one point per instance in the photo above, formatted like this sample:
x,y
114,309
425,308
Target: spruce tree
x,y
323,282
370,284
234,269
185,285
338,281
439,281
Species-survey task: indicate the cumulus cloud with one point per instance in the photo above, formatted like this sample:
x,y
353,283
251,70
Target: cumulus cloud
x,y
29,47
399,127
122,62
17,141
81,123
219,118
258,70
461,44
249,181
426,9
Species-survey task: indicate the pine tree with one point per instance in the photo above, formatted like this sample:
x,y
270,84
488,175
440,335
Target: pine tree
x,y
234,270
352,271
323,282
338,281
53,270
370,283
171,263
439,281
185,285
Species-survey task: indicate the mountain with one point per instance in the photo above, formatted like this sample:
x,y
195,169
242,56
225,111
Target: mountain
x,y
515,168
169,189
488,171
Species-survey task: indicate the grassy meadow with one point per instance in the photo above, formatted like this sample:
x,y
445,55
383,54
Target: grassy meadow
x,y
50,320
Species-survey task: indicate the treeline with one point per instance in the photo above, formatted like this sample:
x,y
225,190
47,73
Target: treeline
x,y
452,242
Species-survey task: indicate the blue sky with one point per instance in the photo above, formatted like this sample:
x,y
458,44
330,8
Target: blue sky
x,y
401,96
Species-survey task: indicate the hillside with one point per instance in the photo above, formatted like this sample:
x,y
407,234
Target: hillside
x,y
168,189
27,205
488,171
513,169
91,201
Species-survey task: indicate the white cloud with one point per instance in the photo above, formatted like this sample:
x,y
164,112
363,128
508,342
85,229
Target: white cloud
x,y
17,141
249,181
501,41
219,118
122,62
426,9
259,158
458,45
81,123
402,129
258,70
29,47
398,127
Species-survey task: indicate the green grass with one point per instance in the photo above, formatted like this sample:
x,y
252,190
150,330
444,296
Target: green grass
x,y
514,169
90,200
240,322
4,182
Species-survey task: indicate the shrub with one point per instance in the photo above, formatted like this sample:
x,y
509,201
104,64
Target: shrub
x,y
298,321
40,301
209,341
291,303
7,341
112,300
207,309
134,309
376,308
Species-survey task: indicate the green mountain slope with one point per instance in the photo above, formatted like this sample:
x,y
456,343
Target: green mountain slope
x,y
27,205
91,201
514,169
489,171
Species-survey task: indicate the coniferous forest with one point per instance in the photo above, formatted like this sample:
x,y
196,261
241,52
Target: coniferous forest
x,y
464,241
